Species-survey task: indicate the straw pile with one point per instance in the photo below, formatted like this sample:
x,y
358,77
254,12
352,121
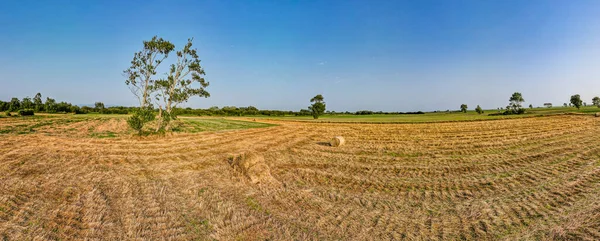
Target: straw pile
x,y
337,141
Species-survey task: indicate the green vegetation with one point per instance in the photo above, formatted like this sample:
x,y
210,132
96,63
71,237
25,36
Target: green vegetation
x,y
140,118
514,106
438,116
111,126
478,110
576,101
463,108
177,88
318,107
194,125
26,112
596,101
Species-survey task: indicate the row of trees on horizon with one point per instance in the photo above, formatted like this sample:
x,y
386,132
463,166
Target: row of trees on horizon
x,y
50,105
516,100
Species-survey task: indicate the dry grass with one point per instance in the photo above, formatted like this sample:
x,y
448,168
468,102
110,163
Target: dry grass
x,y
535,178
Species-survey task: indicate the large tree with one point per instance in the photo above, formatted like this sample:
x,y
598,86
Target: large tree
x,y
515,102
185,79
576,101
318,106
141,78
140,75
596,101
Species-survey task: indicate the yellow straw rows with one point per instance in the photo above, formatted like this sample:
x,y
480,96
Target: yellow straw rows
x,y
534,178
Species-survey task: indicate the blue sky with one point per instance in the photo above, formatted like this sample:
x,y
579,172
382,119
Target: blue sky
x,y
376,55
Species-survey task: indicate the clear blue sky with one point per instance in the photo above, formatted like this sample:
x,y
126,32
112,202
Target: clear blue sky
x,y
377,55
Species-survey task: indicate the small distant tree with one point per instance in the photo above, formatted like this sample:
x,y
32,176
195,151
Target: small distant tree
x,y
515,103
26,103
4,106
318,106
479,110
37,102
576,101
530,106
15,104
565,105
596,101
98,106
50,105
463,108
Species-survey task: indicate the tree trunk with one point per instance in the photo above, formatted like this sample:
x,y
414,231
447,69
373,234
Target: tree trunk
x,y
160,120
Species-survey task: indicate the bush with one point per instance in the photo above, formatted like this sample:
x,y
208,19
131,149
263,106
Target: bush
x,y
139,118
7,113
26,112
509,112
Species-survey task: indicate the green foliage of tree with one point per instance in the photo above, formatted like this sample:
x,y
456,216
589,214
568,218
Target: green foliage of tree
x,y
37,103
318,107
140,77
26,112
576,101
26,103
185,79
596,101
479,110
515,103
50,105
530,106
98,106
4,106
15,104
463,108
143,68
139,118
304,112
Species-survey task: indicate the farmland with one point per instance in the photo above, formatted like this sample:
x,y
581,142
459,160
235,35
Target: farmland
x,y
69,177
441,116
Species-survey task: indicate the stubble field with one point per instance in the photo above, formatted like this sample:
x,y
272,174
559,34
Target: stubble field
x,y
531,178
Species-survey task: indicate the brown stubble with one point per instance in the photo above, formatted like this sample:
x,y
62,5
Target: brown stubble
x,y
536,178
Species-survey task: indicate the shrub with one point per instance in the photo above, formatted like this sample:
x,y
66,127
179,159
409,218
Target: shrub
x,y
7,113
139,118
26,112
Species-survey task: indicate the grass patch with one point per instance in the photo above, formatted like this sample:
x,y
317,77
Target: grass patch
x,y
205,124
101,135
255,205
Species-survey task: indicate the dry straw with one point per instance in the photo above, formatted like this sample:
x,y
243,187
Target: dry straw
x,y
253,166
337,141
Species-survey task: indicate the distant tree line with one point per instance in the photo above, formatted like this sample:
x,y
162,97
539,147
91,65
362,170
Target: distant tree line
x,y
50,105
38,105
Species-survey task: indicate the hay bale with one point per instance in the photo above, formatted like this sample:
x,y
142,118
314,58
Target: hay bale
x,y
253,166
337,141
597,114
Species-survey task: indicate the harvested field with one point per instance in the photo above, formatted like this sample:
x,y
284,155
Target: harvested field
x,y
532,178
